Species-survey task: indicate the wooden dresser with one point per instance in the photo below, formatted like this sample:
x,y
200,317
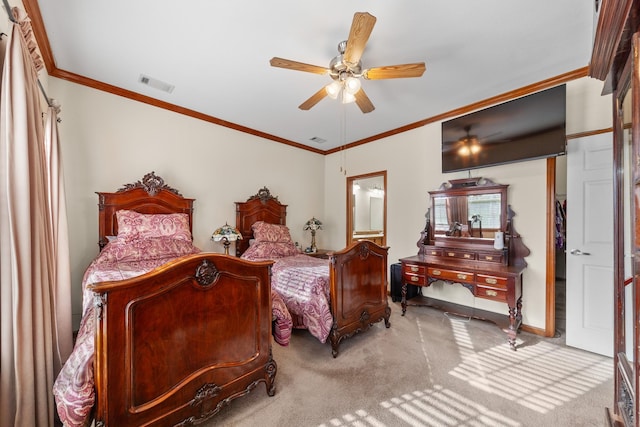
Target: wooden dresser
x,y
455,254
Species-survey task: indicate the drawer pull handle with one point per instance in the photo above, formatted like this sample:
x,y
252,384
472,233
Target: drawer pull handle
x,y
491,293
414,278
490,281
436,272
462,276
489,258
414,269
434,252
451,253
467,256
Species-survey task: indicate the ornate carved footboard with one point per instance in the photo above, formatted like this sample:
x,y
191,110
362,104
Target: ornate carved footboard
x,y
358,280
177,344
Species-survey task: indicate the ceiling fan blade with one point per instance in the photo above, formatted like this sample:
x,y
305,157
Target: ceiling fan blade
x,y
313,100
297,66
395,71
361,28
364,102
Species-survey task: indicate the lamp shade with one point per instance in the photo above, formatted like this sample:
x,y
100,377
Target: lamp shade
x,y
352,85
313,224
226,232
333,89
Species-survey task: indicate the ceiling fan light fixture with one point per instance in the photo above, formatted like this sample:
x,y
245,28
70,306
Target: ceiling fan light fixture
x,y
475,149
464,151
333,89
352,85
347,98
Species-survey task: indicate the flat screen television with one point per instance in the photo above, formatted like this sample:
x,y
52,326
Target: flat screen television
x,y
527,128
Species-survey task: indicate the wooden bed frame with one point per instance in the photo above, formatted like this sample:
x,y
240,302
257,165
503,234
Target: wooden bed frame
x,y
177,344
357,274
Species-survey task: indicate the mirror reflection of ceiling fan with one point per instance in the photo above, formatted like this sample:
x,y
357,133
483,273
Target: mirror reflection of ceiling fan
x,y
470,144
346,68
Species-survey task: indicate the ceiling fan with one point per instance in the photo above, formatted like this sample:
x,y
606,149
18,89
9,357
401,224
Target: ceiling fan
x,y
470,144
346,68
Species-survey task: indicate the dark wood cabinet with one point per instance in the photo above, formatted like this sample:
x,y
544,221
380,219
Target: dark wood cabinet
x,y
615,60
488,262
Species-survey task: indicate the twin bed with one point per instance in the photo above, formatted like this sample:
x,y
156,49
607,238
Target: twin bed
x,y
335,302
170,334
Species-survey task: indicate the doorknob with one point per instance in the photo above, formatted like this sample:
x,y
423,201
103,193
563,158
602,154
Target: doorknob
x,y
578,252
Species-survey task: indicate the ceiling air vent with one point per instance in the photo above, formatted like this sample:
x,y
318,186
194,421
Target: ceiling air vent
x,y
156,84
318,140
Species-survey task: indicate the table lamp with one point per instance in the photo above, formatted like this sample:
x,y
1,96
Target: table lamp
x,y
314,225
226,234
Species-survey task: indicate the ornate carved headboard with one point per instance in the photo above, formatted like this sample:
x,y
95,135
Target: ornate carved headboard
x,y
149,196
260,207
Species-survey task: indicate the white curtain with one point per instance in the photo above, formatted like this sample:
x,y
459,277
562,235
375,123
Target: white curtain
x,y
34,264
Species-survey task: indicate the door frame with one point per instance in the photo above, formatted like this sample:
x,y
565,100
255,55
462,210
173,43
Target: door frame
x,y
550,276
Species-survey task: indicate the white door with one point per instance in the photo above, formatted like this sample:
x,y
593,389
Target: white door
x,y
589,291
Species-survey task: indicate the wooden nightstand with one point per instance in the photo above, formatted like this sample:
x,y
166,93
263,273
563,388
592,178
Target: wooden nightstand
x,y
320,253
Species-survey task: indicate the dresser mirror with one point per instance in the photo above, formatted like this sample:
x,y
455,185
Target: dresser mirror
x,y
473,208
367,207
469,240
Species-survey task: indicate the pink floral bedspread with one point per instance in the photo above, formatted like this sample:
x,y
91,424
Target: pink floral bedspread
x,y
74,387
303,284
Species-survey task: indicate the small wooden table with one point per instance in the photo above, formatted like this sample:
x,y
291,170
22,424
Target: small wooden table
x,y
320,253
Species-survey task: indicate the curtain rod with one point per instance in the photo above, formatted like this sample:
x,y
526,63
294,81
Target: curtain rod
x,y
7,7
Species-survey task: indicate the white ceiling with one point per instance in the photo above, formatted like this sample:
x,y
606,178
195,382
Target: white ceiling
x,y
217,54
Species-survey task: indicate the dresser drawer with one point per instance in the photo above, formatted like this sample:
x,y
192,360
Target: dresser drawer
x,y
456,253
414,279
491,293
490,256
414,274
413,269
492,281
433,251
451,275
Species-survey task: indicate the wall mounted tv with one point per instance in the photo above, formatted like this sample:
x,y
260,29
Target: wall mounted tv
x,y
527,128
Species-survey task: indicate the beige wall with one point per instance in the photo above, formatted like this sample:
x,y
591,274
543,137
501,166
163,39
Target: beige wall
x,y
108,141
413,164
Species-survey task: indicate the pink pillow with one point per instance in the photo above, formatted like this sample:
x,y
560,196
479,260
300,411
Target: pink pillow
x,y
265,232
146,249
260,251
133,225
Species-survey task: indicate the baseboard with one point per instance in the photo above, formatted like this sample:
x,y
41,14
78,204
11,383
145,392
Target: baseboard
x,y
533,330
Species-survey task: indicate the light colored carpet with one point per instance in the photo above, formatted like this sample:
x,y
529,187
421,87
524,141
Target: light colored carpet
x,y
429,369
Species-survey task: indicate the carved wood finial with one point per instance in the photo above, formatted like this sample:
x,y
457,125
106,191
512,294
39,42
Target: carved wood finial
x,y
99,300
264,195
152,184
